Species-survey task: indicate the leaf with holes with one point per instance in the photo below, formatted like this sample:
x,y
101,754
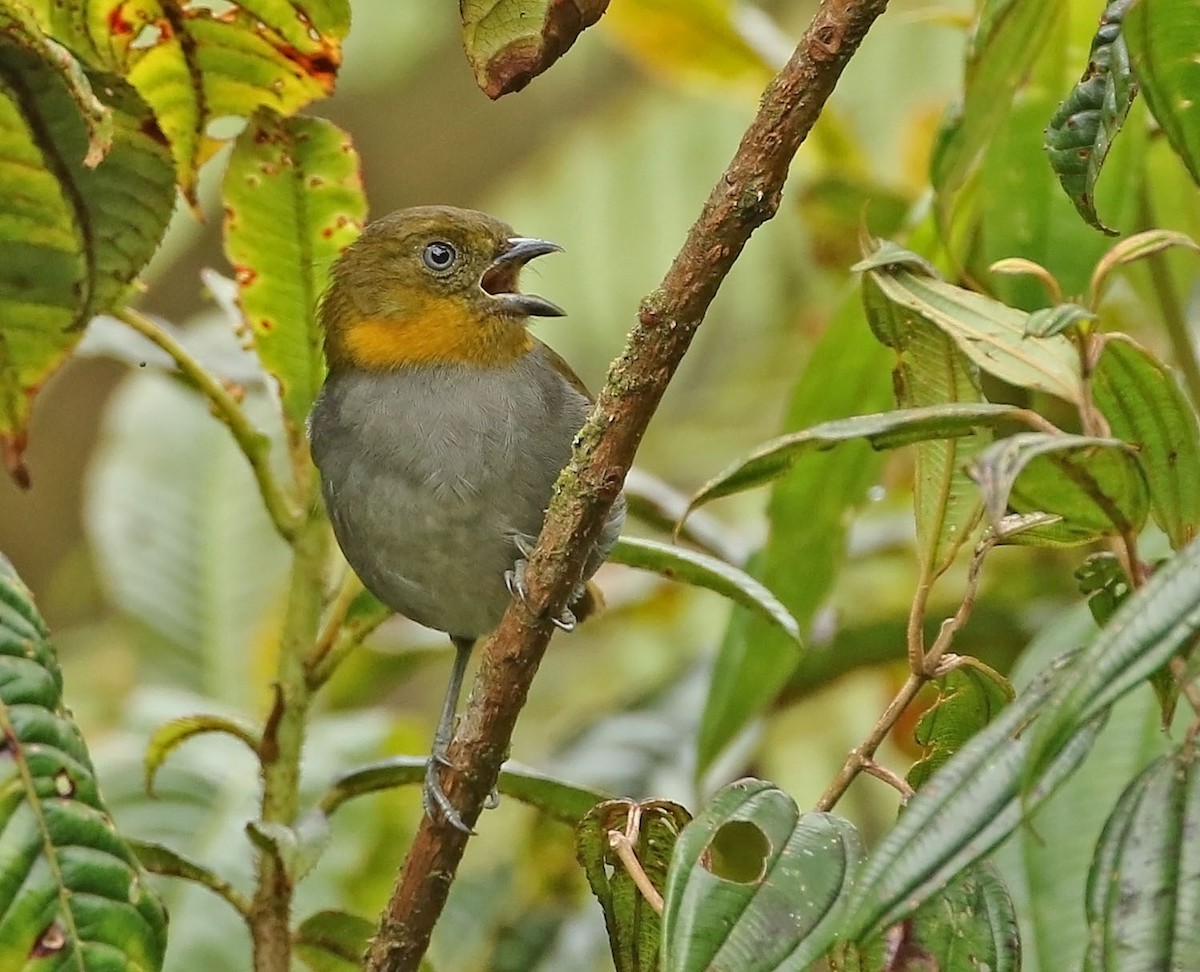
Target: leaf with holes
x,y
71,891
1083,128
511,42
752,861
634,927
1142,401
89,193
196,68
293,202
1162,49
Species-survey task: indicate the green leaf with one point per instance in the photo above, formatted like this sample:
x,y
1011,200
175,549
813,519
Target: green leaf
x,y
992,334
931,371
1141,903
1162,49
963,811
158,859
333,941
885,430
1050,321
293,202
968,699
807,515
653,826
71,891
702,570
562,801
178,731
1142,401
1085,124
1094,484
1103,581
658,504
969,926
1149,628
197,69
752,861
1008,38
88,195
511,42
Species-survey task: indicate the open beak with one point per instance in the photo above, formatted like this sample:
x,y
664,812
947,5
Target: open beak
x,y
500,278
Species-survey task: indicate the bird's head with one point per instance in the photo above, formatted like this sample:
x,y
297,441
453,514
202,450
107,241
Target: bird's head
x,y
432,285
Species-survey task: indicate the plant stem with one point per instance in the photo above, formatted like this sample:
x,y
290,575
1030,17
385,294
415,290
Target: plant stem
x,y
282,742
281,507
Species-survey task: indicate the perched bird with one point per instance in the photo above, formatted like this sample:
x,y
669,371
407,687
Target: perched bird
x,y
442,427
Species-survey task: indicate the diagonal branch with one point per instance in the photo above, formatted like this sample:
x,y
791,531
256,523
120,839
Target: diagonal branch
x,y
746,196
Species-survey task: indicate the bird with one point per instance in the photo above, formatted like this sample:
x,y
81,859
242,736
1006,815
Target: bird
x,y
440,429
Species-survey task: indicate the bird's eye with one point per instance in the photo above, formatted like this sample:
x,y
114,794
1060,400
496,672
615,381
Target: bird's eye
x,y
439,256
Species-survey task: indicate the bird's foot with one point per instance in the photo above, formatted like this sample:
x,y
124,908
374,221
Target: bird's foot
x,y
434,796
514,580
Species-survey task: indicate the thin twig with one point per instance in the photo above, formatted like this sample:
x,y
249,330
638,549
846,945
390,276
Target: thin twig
x,y
620,843
894,780
283,510
746,195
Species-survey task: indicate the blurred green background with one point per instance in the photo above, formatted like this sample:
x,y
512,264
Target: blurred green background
x,y
162,579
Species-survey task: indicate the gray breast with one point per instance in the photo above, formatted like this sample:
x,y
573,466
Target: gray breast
x,y
435,477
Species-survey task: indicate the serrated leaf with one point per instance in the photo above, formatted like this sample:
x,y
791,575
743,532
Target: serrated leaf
x,y
511,42
1161,35
634,927
88,196
293,202
198,68
1143,404
1082,129
333,941
70,889
170,735
884,430
562,801
1155,623
751,860
969,926
968,698
992,334
1095,484
962,812
1142,907
703,570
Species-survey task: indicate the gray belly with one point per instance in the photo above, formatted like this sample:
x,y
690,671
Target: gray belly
x,y
435,479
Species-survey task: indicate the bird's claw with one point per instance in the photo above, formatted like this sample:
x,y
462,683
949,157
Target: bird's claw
x,y
514,580
493,799
434,796
565,621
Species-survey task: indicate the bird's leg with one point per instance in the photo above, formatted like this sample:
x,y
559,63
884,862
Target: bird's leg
x,y
514,580
433,794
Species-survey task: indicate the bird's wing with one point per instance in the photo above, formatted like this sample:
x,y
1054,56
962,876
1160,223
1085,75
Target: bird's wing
x,y
559,364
